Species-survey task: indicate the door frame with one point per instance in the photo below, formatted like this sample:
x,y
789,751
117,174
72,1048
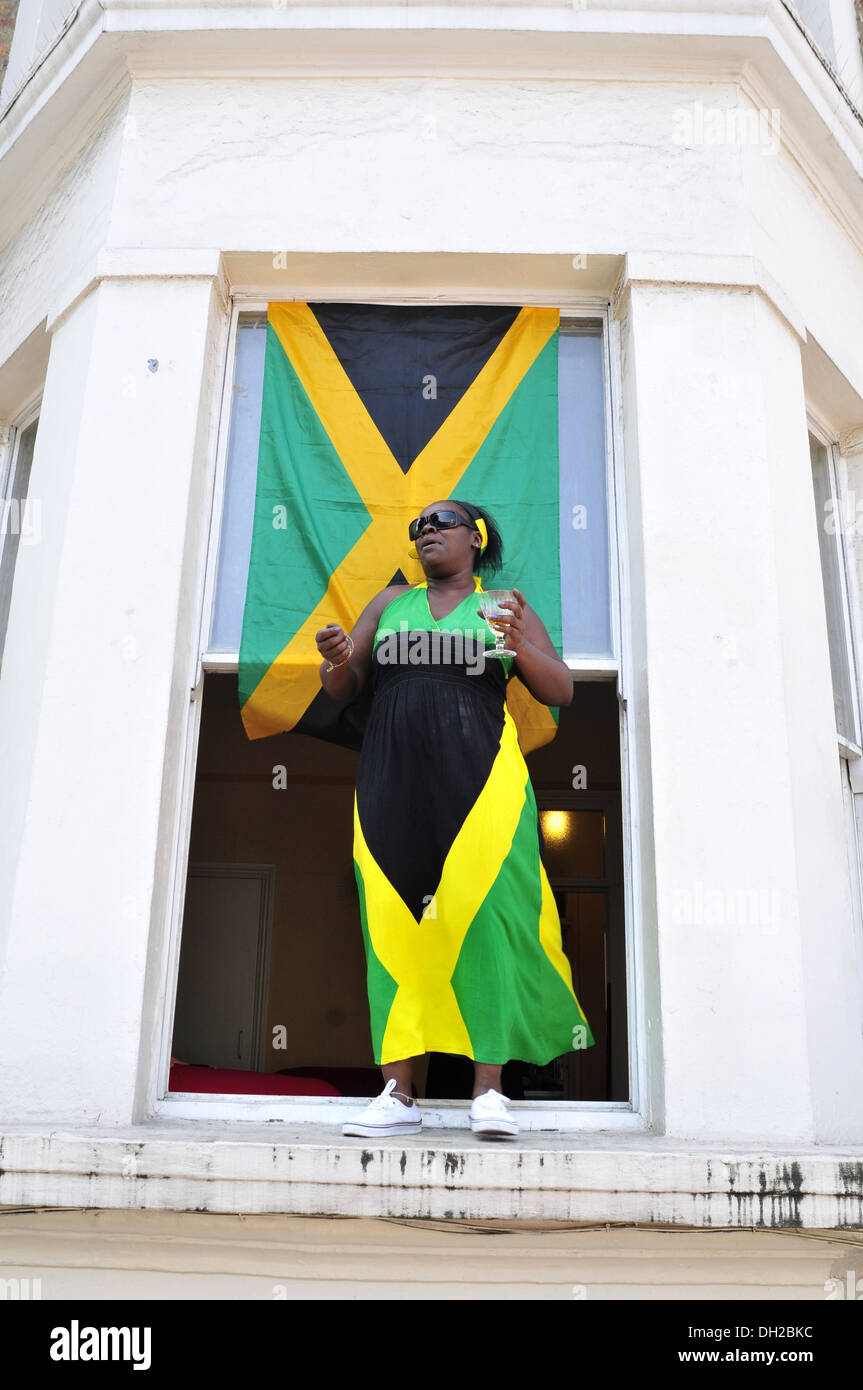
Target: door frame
x,y
612,884
565,1116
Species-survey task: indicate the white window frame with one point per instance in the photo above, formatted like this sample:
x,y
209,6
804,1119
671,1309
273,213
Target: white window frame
x,y
562,1116
850,752
9,466
9,456
852,805
852,638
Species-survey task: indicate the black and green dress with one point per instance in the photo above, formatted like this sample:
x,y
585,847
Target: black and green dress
x,y
462,934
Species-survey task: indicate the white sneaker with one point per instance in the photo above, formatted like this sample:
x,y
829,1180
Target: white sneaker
x,y
489,1114
386,1115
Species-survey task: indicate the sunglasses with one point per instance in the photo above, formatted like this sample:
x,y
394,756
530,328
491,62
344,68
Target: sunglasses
x,y
441,521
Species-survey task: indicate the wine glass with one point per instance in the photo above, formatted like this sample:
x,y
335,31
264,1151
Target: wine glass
x,y
490,601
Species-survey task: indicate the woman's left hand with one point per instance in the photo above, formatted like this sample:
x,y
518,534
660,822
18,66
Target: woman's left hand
x,y
513,627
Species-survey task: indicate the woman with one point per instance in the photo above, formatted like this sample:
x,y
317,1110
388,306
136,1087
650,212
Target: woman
x,y
462,936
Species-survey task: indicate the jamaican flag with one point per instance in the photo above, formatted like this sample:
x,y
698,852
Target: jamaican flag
x,y
371,412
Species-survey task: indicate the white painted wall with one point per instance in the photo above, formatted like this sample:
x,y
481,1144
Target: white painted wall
x,y
809,253
45,261
747,942
434,164
414,165
820,889
117,463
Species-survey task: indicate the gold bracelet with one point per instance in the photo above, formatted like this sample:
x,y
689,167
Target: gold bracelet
x,y
332,665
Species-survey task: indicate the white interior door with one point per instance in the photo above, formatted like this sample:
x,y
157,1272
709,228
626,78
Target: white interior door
x,y
224,962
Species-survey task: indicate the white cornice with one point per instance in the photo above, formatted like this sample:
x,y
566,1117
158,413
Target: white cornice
x,y
659,16
851,444
137,264
753,42
413,277
672,270
808,132
831,399
425,277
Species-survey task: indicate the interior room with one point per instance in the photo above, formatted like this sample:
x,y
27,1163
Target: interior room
x,y
271,994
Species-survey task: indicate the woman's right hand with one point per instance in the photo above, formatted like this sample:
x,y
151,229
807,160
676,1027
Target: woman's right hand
x,y
354,666
332,643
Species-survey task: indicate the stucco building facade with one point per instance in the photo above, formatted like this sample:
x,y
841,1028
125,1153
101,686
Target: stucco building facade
x,y
686,181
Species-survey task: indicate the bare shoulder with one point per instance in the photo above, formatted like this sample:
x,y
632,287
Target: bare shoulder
x,y
376,605
387,595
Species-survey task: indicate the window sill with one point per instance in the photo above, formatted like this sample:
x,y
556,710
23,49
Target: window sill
x,y
565,1118
441,1174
